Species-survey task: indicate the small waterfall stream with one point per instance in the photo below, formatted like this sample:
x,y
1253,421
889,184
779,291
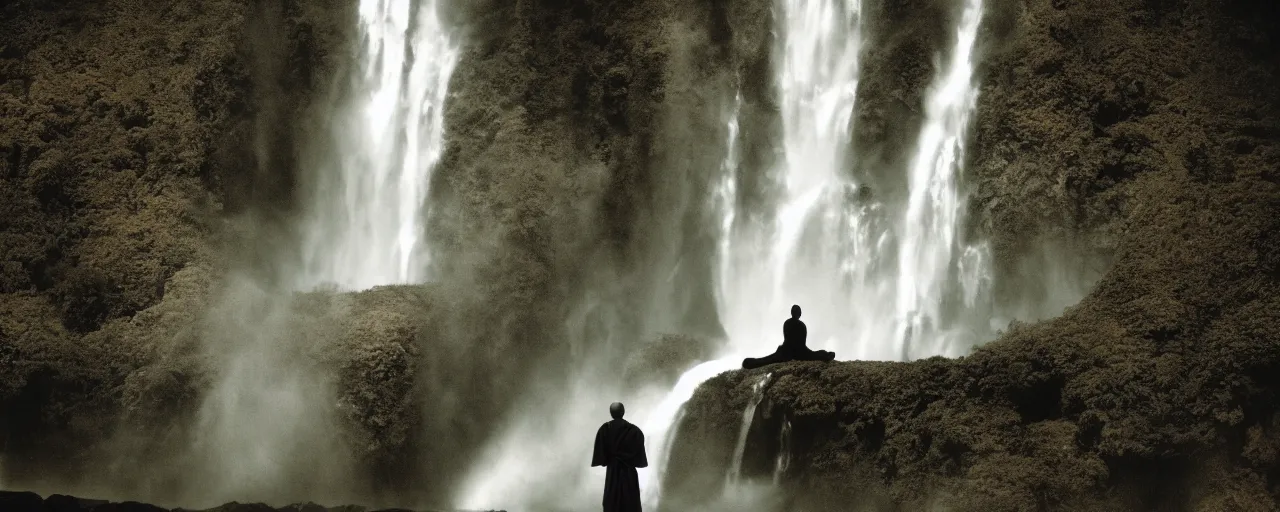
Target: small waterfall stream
x,y
748,414
783,461
661,422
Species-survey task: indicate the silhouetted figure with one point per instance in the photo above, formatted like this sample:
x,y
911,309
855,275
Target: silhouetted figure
x,y
620,448
793,348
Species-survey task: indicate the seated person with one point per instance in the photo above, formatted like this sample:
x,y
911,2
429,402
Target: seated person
x,y
793,348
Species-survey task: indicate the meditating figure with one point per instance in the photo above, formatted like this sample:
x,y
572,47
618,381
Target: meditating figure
x,y
620,448
793,348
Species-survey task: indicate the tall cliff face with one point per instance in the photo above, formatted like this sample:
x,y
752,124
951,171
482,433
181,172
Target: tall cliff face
x,y
1142,133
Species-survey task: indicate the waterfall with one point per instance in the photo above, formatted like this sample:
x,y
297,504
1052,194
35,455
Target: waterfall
x,y
783,460
726,190
267,429
872,277
367,214
661,422
929,242
748,414
800,249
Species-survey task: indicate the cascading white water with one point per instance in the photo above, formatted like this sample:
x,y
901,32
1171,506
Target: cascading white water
x,y
726,191
871,285
931,257
800,248
509,469
659,424
759,262
366,224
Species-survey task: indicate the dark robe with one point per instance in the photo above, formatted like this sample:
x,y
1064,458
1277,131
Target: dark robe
x,y
620,448
794,334
793,348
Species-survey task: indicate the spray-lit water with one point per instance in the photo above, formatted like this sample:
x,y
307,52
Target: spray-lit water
x,y
665,416
267,429
782,462
367,222
813,241
873,278
872,286
748,414
266,419
931,259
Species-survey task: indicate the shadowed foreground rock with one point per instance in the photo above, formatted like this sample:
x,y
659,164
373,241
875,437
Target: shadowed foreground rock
x,y
11,501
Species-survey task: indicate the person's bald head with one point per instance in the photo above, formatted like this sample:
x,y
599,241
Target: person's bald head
x,y
617,410
795,311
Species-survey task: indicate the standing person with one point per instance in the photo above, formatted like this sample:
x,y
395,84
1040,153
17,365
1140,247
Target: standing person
x,y
620,448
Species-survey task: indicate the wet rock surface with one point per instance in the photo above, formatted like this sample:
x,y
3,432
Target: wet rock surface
x,y
14,501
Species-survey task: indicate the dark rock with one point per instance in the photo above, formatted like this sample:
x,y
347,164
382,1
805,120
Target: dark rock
x,y
348,508
64,503
127,506
11,501
241,507
661,361
312,507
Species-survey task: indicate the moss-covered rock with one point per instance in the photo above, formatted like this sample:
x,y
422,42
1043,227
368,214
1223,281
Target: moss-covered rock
x,y
125,133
